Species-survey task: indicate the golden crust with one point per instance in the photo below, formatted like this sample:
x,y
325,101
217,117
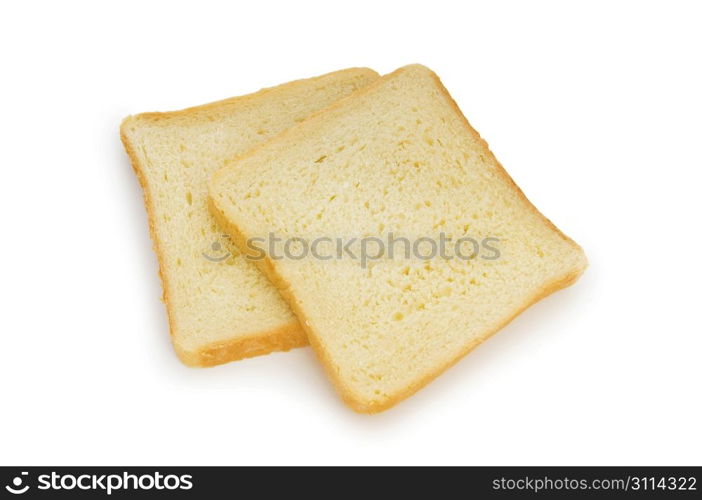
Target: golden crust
x,y
283,338
206,111
268,267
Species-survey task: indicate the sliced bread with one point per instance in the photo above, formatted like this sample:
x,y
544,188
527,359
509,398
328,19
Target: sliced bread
x,y
397,159
220,307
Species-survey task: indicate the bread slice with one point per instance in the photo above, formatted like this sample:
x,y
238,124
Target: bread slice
x,y
220,307
397,157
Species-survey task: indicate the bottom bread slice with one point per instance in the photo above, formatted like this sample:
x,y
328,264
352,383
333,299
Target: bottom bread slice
x,y
220,307
397,161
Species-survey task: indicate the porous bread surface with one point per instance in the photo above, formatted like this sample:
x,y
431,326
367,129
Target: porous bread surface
x,y
399,157
218,310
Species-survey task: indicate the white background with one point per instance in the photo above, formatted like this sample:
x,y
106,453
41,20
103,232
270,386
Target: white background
x,y
595,110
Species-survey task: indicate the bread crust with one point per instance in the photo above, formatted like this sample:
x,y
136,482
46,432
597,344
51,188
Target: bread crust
x,y
283,338
268,267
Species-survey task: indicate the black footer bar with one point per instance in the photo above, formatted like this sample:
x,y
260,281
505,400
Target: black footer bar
x,y
361,482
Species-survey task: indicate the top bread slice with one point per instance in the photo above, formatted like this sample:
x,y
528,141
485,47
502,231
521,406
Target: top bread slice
x,y
220,307
397,157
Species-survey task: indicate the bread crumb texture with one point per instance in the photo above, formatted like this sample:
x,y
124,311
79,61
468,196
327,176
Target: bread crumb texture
x,y
398,156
